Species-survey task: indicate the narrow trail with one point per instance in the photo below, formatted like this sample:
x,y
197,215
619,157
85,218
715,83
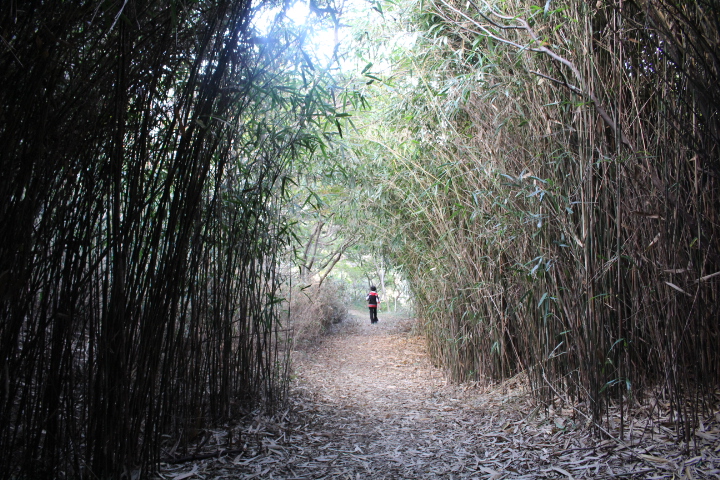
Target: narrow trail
x,y
367,403
384,410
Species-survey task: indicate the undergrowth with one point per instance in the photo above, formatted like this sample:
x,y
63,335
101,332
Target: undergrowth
x,y
314,309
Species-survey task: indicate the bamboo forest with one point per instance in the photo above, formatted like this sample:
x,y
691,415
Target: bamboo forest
x,y
197,196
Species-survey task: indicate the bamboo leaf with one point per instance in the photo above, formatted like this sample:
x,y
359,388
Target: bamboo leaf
x,y
672,285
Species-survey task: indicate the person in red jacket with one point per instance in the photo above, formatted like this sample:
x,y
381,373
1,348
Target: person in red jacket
x,y
373,300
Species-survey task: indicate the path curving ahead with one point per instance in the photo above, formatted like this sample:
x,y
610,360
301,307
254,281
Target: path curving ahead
x,y
368,404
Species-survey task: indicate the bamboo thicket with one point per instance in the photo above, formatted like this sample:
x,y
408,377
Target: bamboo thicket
x,y
143,155
555,196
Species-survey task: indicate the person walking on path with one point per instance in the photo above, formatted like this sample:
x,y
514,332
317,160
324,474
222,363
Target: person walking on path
x,y
373,300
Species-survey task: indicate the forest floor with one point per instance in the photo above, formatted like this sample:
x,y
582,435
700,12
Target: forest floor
x,y
366,403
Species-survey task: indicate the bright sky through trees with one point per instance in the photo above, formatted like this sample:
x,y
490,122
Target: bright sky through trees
x,y
322,36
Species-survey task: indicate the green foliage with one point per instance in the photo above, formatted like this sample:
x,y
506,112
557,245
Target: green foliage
x,y
530,177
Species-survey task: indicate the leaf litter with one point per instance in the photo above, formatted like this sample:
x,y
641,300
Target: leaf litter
x,y
367,402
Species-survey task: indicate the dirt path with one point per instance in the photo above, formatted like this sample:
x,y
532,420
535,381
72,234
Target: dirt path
x,y
367,403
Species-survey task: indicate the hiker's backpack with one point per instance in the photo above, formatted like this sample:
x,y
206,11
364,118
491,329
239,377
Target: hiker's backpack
x,y
372,299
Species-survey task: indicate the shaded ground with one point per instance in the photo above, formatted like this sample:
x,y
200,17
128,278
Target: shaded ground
x,y
367,403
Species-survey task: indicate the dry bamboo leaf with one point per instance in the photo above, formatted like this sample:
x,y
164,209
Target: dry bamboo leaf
x,y
564,472
188,474
708,436
672,285
346,422
708,277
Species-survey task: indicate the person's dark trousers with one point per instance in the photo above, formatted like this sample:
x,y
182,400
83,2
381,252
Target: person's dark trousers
x,y
373,314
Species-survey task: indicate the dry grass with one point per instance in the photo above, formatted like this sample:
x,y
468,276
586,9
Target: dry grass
x,y
314,310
